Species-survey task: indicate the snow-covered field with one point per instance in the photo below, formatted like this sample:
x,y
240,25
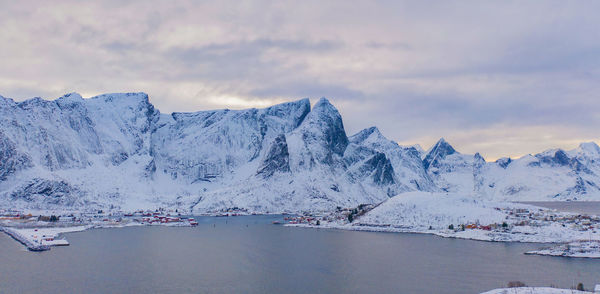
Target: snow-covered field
x,y
421,210
455,215
535,290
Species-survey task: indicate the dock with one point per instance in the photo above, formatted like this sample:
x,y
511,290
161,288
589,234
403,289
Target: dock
x,y
32,246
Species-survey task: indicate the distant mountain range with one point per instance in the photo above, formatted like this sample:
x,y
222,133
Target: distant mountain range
x,y
117,150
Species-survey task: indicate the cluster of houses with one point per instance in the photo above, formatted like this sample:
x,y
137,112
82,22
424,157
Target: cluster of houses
x,y
156,217
310,220
346,214
537,218
165,219
13,215
233,211
101,218
580,222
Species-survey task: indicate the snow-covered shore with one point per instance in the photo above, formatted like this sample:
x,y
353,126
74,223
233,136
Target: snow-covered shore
x,y
40,239
40,232
587,249
535,290
458,216
47,236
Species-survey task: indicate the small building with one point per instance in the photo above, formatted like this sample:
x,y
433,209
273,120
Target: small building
x,y
597,289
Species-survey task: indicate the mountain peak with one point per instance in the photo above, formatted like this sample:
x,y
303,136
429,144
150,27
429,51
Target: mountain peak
x,y
440,150
323,105
69,99
113,97
324,124
364,134
71,96
589,148
323,108
5,100
373,130
323,100
442,144
478,157
503,162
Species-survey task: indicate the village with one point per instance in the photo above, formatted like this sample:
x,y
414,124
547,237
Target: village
x,y
519,224
532,224
40,232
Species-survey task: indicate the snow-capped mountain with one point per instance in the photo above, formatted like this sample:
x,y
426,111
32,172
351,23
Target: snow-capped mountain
x,y
117,150
450,170
551,175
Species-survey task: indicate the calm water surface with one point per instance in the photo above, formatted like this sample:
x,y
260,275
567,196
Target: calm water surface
x,y
249,255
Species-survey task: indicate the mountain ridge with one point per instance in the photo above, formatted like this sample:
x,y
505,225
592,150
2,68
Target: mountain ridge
x,y
118,150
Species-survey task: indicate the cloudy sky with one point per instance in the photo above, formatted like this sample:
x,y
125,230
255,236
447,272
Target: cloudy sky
x,y
503,78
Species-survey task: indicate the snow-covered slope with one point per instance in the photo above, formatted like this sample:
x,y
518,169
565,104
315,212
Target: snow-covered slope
x,y
422,211
450,170
551,175
117,150
307,169
409,172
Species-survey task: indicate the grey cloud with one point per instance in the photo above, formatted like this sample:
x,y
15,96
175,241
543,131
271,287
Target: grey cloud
x,y
245,59
391,46
416,70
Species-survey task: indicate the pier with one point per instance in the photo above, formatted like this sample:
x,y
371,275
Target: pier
x,y
33,246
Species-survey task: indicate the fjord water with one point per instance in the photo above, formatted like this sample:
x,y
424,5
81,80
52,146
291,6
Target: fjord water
x,y
250,255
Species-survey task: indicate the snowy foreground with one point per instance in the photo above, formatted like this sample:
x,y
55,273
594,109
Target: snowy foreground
x,y
454,215
535,290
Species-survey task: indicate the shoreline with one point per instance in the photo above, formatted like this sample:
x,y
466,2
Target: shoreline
x,y
549,250
23,240
531,235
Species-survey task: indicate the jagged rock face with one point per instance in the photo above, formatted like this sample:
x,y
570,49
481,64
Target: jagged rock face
x,y
382,170
437,153
559,158
277,158
503,162
407,171
450,170
205,145
11,160
47,193
117,149
551,175
321,138
67,132
479,164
